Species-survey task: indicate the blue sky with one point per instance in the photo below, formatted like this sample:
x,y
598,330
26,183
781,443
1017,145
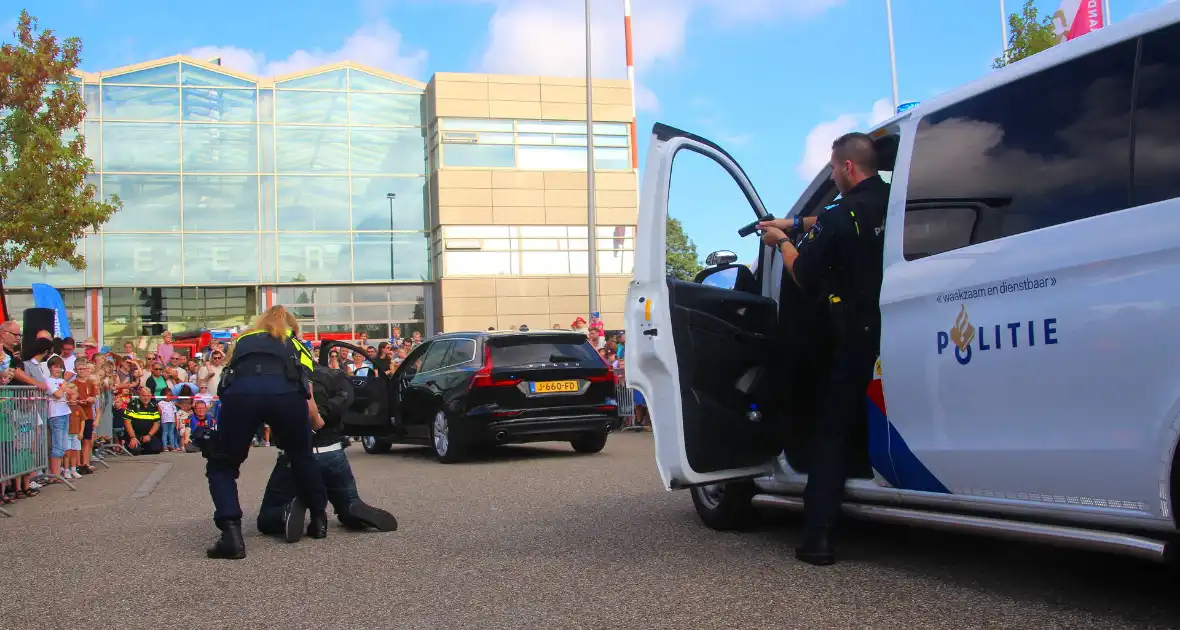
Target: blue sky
x,y
772,80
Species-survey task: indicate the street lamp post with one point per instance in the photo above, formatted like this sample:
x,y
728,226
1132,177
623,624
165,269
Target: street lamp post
x,y
391,197
592,254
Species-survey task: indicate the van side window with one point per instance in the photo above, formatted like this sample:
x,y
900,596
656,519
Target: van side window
x,y
934,229
435,356
1047,149
1157,118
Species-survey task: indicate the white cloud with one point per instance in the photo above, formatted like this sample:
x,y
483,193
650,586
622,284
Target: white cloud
x,y
376,44
817,147
547,37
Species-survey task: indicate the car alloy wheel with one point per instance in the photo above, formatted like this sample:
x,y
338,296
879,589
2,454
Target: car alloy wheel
x,y
369,442
711,495
442,434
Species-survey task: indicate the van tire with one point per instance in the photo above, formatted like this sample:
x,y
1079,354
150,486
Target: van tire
x,y
589,443
725,506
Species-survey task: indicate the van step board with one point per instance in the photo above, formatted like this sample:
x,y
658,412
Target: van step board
x,y
1073,537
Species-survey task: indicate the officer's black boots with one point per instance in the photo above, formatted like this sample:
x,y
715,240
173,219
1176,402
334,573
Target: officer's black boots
x,y
816,548
378,519
230,546
293,520
318,526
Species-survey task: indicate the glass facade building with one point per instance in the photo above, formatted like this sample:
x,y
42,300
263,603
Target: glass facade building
x,y
315,190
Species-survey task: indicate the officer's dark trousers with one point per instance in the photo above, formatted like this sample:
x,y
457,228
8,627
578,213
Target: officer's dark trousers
x,y
844,408
241,415
153,447
280,489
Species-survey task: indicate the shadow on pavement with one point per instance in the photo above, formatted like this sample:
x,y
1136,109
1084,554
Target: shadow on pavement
x,y
486,455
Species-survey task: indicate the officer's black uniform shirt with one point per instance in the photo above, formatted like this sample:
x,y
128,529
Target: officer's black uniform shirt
x,y
842,253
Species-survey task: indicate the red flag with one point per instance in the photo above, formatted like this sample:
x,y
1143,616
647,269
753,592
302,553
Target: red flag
x,y
1075,18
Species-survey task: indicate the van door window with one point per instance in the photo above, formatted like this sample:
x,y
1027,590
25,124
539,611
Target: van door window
x,y
1157,118
1046,149
934,230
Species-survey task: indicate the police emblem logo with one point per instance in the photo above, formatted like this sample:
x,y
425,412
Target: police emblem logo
x,y
814,231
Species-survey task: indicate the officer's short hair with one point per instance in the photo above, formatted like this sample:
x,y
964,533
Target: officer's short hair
x,y
857,148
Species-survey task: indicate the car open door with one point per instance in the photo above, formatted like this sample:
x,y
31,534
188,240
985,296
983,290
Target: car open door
x,y
369,413
702,355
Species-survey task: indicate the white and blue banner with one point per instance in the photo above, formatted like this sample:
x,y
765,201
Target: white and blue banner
x,y
45,296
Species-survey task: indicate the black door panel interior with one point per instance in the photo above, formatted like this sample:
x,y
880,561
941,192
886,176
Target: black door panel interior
x,y
726,348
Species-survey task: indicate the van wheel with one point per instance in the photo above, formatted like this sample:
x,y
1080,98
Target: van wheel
x,y
374,446
725,506
589,443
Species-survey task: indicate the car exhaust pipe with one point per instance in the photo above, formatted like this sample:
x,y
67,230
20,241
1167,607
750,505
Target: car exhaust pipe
x,y
610,426
501,436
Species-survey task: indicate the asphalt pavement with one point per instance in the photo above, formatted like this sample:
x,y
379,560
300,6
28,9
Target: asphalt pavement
x,y
525,537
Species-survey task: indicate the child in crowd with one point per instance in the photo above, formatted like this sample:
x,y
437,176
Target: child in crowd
x,y
184,412
168,422
74,433
59,414
89,388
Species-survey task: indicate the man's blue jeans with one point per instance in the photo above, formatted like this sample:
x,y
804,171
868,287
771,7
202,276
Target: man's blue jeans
x,y
280,489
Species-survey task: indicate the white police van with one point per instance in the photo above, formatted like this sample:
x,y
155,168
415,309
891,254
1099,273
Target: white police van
x,y
1028,384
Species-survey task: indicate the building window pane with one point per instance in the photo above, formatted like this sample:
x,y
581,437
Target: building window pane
x,y
478,263
388,151
266,148
475,124
160,75
151,203
220,258
330,80
321,108
610,141
311,149
314,258
93,133
375,313
312,203
545,263
365,82
333,295
140,103
196,75
391,256
220,202
141,147
59,275
384,109
553,158
269,257
378,293
371,208
1054,146
612,159
551,127
218,105
220,148
480,155
141,259
612,129
91,95
266,105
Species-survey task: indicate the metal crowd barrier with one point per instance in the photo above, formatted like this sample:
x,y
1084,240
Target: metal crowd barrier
x,y
625,399
24,435
105,426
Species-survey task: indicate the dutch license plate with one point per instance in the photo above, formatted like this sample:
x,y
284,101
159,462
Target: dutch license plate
x,y
554,387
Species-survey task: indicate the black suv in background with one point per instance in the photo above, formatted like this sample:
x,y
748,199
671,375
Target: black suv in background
x,y
459,391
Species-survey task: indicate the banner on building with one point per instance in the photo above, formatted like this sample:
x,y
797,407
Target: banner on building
x,y
45,296
1075,18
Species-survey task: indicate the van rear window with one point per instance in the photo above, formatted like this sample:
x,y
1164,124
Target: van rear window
x,y
527,351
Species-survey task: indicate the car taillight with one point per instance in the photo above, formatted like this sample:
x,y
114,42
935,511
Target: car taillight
x,y
483,376
609,377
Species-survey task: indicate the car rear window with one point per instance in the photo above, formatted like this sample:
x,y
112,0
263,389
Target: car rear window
x,y
513,352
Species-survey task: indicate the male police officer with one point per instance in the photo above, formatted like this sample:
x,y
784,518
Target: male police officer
x,y
839,260
282,513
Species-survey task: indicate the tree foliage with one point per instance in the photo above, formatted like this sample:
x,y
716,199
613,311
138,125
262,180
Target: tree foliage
x,y
46,205
682,253
1028,34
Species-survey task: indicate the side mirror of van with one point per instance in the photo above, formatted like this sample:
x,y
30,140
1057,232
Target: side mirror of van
x,y
721,257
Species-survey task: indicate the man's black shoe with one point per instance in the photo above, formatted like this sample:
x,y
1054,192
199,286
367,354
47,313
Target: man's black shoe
x,y
318,527
230,546
373,517
816,549
293,521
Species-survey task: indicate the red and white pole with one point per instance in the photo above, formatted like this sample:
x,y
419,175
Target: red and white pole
x,y
631,80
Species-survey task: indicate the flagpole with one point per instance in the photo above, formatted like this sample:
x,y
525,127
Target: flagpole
x,y
1004,26
1106,19
892,52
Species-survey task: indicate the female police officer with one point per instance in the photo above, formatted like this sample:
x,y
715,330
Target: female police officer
x,y
266,381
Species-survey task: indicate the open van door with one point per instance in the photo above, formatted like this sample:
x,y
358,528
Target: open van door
x,y
369,414
702,353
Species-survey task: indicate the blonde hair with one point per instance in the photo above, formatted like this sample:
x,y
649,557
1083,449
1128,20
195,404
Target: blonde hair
x,y
277,321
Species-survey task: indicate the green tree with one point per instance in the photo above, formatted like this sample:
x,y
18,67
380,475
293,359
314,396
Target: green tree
x,y
46,205
682,253
1028,34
